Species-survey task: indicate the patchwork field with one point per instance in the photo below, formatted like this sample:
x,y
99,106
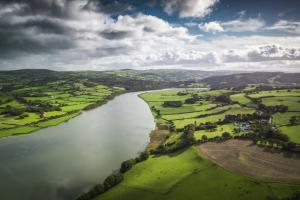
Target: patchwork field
x,y
29,109
239,170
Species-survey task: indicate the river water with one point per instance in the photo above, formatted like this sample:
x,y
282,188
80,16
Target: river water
x,y
58,163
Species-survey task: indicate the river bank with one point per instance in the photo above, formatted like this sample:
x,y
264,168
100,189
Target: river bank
x,y
63,161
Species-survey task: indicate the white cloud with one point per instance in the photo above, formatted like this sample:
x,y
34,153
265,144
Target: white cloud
x,y
95,40
239,25
189,8
286,26
212,27
269,52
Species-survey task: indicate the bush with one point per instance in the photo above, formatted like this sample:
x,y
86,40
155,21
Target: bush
x,y
172,104
113,180
204,138
226,135
127,165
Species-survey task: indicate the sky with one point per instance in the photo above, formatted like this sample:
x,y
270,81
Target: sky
x,y
256,35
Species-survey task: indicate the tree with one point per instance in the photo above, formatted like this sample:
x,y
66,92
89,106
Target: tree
x,y
143,156
204,138
172,104
127,165
226,135
294,120
223,99
112,180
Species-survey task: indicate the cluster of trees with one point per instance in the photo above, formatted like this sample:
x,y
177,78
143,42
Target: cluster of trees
x,y
128,164
245,117
114,179
186,139
193,99
267,132
225,99
41,107
10,111
294,120
182,93
172,104
206,126
225,136
156,111
272,109
108,183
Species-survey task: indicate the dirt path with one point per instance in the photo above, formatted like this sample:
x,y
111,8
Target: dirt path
x,y
243,157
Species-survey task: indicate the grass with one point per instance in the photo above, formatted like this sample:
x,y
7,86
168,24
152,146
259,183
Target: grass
x,y
282,119
240,98
217,132
276,93
293,132
18,131
235,109
293,103
189,175
54,122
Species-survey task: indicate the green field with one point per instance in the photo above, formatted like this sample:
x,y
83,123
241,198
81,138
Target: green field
x,y
241,98
293,103
188,175
218,132
293,132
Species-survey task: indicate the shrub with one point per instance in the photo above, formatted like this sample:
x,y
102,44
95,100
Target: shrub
x,y
172,104
127,165
113,180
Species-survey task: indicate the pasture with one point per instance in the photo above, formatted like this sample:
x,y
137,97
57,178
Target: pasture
x,y
189,175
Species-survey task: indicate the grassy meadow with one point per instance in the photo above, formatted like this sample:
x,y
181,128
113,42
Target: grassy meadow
x,y
189,175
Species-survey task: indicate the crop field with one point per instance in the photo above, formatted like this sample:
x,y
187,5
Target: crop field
x,y
245,158
29,109
188,175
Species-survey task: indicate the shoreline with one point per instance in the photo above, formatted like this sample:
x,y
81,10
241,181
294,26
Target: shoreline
x,y
67,116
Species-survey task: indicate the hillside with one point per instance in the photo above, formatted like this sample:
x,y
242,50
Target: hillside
x,y
265,78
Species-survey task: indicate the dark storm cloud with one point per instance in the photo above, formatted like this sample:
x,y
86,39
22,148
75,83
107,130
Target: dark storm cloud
x,y
15,43
55,8
115,35
34,27
109,7
39,26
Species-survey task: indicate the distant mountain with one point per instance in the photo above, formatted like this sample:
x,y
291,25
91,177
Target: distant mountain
x,y
265,78
130,79
149,79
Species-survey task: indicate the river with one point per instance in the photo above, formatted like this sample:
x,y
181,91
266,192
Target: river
x,y
60,162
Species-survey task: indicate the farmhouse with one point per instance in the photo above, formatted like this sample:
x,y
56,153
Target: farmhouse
x,y
245,126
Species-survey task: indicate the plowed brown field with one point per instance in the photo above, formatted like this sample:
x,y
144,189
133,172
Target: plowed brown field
x,y
244,157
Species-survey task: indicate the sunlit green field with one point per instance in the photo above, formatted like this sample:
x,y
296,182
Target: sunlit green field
x,y
240,98
289,98
188,175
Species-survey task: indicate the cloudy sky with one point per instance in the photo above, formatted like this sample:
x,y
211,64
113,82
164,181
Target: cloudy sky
x,y
257,35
